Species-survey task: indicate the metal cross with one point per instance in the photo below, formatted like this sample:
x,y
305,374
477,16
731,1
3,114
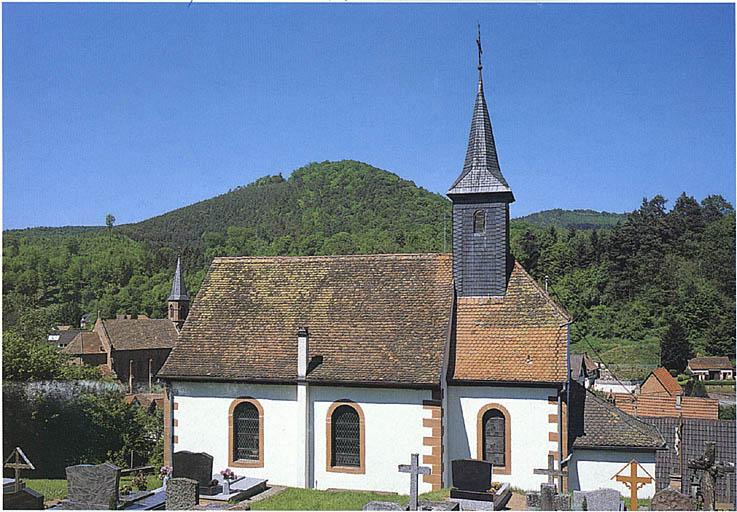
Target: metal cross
x,y
414,471
632,481
551,471
478,43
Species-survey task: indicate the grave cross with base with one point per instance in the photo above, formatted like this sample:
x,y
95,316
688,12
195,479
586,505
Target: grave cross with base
x,y
552,472
414,471
711,471
633,481
20,462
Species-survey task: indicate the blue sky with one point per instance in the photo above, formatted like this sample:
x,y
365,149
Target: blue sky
x,y
137,109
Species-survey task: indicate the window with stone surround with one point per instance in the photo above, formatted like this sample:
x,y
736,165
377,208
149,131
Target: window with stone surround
x,y
246,433
345,438
493,437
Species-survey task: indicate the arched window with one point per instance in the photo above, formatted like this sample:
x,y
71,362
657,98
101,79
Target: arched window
x,y
479,221
246,436
494,437
345,431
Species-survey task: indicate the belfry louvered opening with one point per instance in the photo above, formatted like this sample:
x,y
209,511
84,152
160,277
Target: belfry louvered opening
x,y
246,432
346,437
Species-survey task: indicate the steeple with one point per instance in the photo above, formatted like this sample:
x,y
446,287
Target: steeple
x,y
178,298
482,262
481,172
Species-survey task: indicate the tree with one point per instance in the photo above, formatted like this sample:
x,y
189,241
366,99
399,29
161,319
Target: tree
x,y
675,349
109,221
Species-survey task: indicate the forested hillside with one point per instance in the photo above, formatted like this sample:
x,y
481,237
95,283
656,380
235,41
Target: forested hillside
x,y
626,284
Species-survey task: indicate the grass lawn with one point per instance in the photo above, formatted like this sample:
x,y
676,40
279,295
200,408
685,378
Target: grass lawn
x,y
56,489
311,499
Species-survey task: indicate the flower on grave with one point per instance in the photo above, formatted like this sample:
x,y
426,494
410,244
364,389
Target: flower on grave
x,y
165,471
126,490
228,474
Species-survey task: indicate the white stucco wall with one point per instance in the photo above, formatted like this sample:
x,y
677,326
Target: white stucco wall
x,y
528,409
593,469
202,417
393,430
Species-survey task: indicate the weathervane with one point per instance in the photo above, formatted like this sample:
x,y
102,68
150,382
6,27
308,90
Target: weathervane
x,y
478,43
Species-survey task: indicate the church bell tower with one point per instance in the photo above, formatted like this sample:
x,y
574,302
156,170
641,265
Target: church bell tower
x,y
178,299
481,196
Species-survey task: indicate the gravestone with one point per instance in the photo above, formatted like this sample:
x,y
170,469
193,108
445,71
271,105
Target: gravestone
x,y
182,494
670,499
471,480
415,470
547,497
92,487
382,505
533,500
198,467
16,496
551,472
600,499
711,470
561,502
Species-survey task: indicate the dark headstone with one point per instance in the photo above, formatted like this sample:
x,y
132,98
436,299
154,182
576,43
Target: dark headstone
x,y
92,487
471,480
182,494
198,467
547,497
382,505
25,499
670,499
600,499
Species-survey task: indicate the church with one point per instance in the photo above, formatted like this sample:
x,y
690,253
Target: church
x,y
330,371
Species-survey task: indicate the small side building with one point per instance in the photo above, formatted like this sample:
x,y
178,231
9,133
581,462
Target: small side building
x,y
603,440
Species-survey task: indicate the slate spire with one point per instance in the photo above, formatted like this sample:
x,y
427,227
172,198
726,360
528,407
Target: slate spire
x,y
481,172
178,288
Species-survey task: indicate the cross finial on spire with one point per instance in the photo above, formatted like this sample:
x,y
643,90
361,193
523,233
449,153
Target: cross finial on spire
x,y
478,43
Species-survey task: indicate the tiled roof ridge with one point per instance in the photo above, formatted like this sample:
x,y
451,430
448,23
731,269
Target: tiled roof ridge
x,y
667,382
406,256
637,424
545,295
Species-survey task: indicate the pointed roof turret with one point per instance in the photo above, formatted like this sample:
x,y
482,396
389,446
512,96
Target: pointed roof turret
x,y
178,288
481,172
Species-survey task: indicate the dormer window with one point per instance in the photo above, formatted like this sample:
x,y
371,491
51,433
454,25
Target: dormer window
x,y
479,222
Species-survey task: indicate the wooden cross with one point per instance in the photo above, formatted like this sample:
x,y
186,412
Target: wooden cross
x,y
632,481
20,462
551,471
414,471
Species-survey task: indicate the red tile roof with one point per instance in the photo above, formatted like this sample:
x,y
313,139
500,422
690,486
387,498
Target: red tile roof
x,y
661,381
520,337
661,405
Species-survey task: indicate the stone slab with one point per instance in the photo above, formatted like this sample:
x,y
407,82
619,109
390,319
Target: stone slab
x,y
156,500
92,487
241,489
437,505
25,499
182,493
670,499
382,505
600,499
460,494
474,504
471,475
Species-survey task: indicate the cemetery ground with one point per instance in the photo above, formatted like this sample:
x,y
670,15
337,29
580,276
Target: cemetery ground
x,y
56,488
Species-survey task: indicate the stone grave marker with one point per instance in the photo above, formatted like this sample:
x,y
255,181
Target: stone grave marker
x,y
547,497
198,467
182,494
382,505
415,470
600,499
670,499
711,470
471,479
92,487
551,471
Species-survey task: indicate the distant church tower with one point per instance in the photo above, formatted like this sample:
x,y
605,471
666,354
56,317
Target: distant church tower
x,y
178,299
481,196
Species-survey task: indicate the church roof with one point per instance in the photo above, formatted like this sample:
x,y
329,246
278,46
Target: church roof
x,y
598,424
84,343
518,337
178,288
140,333
481,172
372,318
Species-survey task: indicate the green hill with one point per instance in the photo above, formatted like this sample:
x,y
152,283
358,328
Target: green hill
x,y
579,219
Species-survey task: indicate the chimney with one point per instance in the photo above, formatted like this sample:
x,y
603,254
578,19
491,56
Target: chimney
x,y
303,337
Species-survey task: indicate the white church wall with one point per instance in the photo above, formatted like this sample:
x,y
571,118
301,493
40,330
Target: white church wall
x,y
529,413
593,469
393,429
202,426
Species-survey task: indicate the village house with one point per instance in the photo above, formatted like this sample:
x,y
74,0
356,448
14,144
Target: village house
x,y
133,349
584,370
330,371
711,368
